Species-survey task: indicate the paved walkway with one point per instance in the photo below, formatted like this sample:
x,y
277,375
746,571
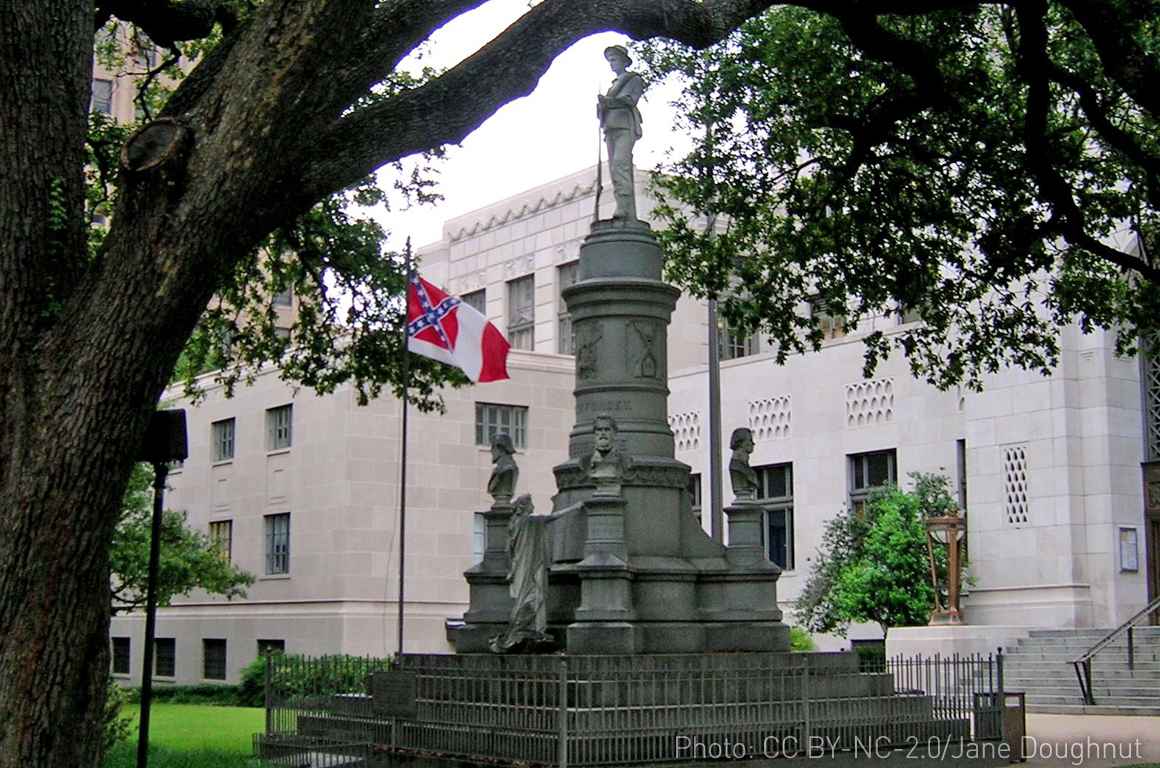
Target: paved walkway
x,y
1093,741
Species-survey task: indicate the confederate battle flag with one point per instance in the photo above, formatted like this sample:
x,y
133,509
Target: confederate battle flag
x,y
443,328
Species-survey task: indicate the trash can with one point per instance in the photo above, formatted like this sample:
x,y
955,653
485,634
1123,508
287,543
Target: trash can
x,y
1015,723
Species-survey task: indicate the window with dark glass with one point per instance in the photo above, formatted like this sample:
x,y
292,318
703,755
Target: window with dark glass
x,y
733,343
121,657
223,439
279,427
477,300
492,419
213,652
522,313
278,544
165,657
869,471
775,492
565,337
221,534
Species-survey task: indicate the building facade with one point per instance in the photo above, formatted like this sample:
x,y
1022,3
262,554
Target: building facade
x,y
303,490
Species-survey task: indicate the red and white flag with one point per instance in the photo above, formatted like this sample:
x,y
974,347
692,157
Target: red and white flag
x,y
444,328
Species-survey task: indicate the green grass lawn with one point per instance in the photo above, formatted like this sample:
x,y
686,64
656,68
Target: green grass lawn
x,y
192,736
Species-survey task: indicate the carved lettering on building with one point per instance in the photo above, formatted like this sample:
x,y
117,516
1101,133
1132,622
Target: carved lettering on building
x,y
604,406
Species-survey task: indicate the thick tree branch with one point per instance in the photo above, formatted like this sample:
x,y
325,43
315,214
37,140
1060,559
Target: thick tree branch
x,y
1111,25
169,21
448,108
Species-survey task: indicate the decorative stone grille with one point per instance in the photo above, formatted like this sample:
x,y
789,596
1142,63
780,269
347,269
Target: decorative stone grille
x,y
1151,362
686,430
770,418
1015,471
869,402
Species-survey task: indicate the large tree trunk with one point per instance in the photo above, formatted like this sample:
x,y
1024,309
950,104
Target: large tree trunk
x,y
87,344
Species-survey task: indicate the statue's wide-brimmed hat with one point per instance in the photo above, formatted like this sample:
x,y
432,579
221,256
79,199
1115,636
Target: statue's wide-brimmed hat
x,y
620,49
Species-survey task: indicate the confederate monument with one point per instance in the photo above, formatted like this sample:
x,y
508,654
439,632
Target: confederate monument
x,y
627,567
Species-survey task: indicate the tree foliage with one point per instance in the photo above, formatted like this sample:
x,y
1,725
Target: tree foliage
x,y
995,168
870,567
188,559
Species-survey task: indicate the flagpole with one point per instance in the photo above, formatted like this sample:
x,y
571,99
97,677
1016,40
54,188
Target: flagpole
x,y
403,468
716,501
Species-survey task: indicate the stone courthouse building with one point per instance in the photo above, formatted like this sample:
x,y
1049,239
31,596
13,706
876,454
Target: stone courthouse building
x,y
303,490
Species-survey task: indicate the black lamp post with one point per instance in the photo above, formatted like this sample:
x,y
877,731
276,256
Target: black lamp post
x,y
165,441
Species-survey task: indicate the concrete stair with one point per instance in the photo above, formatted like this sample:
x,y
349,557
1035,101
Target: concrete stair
x,y
1040,665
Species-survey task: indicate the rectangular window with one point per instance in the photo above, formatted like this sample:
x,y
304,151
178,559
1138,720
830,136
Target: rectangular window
x,y
278,544
267,647
282,333
279,423
102,96
223,439
213,657
694,489
284,298
492,419
733,343
522,313
775,491
121,657
477,300
221,533
478,537
832,326
869,471
565,338
165,657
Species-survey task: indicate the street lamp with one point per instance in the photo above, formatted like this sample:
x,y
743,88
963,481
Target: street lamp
x,y
946,531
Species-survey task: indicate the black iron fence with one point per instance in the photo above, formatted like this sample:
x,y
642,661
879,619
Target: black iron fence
x,y
593,710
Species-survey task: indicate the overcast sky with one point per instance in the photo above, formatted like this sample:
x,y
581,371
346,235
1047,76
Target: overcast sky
x,y
531,141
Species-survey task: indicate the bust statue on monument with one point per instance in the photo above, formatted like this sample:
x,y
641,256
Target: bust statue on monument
x,y
606,466
620,119
742,476
502,483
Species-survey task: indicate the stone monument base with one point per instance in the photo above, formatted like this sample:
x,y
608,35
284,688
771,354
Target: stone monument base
x,y
551,710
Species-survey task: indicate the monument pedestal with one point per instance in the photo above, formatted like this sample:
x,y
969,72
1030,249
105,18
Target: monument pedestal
x,y
490,605
631,571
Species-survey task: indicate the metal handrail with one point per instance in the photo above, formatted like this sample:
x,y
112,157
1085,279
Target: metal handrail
x,y
1083,663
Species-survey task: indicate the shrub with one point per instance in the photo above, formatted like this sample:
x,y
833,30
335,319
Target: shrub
x,y
217,694
116,726
800,640
295,675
